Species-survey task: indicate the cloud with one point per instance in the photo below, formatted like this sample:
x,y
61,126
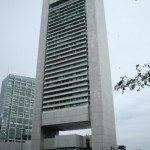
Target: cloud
x,y
134,133
132,111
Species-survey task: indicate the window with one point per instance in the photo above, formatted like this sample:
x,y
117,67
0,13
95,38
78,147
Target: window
x,y
14,110
19,120
21,101
25,121
32,103
18,134
15,101
20,111
13,120
27,102
11,133
22,93
23,83
30,122
26,113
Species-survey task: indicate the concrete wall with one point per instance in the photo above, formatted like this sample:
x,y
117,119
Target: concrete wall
x,y
37,138
65,141
15,146
101,109
65,116
49,144
68,141
52,1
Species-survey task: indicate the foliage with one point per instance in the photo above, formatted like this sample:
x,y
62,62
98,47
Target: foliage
x,y
87,141
141,80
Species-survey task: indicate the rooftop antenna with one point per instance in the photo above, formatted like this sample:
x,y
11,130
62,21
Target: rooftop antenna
x,y
8,71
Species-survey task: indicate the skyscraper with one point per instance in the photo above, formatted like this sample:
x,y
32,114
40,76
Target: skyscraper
x,y
73,86
17,98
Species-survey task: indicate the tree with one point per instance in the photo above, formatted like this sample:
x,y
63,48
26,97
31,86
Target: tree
x,y
121,147
87,142
141,80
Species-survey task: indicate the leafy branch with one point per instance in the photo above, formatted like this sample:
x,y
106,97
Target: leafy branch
x,y
140,81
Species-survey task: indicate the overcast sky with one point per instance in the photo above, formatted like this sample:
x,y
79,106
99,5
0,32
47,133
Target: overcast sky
x,y
128,29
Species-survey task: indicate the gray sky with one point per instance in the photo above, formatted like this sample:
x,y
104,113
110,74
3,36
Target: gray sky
x,y
128,29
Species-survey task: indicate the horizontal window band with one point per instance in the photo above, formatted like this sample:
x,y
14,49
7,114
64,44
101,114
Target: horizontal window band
x,y
65,103
68,73
63,107
53,10
66,98
62,78
65,88
72,55
62,49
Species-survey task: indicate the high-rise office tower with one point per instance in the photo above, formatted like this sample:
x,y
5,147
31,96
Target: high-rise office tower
x,y
17,98
73,86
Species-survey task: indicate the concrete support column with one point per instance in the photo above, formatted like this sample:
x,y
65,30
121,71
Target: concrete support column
x,y
101,99
37,133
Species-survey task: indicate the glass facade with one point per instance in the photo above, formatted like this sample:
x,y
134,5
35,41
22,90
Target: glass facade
x,y
66,82
17,108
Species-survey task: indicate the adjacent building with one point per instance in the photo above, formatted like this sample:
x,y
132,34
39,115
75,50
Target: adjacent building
x,y
73,82
17,98
0,122
0,112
